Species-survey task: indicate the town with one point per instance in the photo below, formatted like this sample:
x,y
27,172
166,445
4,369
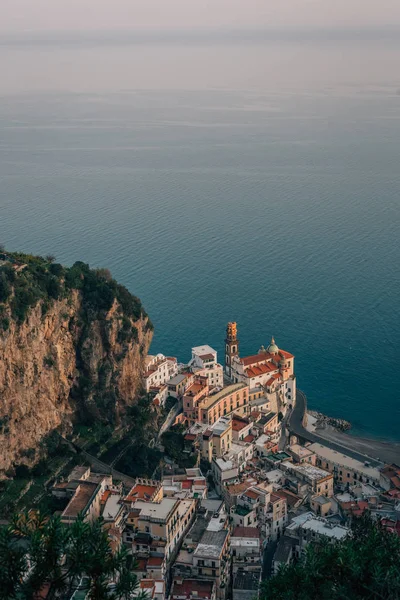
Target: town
x,y
260,490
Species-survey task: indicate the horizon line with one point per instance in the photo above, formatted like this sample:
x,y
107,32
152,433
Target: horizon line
x,y
212,34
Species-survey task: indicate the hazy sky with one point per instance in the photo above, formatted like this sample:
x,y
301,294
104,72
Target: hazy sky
x,y
82,15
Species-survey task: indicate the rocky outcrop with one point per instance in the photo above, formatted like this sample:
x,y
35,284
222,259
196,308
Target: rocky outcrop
x,y
323,422
67,361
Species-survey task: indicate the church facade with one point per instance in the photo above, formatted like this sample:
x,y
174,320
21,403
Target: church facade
x,y
270,371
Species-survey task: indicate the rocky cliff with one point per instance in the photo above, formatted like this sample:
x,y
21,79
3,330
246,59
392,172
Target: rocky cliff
x,y
72,348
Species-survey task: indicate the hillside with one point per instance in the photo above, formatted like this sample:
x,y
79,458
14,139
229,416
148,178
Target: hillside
x,y
72,348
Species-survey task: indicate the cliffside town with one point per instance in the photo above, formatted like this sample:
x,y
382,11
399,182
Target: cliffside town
x,y
257,495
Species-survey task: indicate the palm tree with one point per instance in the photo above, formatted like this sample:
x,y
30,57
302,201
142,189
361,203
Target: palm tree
x,y
40,554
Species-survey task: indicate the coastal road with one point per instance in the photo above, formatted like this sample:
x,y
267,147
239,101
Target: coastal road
x,y
295,426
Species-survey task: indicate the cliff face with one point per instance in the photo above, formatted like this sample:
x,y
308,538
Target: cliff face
x,y
71,357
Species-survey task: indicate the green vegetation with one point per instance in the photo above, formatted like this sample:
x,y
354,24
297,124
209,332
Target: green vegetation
x,y
95,438
40,554
30,487
170,403
139,461
173,442
44,280
363,566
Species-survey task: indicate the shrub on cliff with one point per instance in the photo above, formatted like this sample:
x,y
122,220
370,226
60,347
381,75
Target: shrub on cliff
x,y
5,287
42,279
363,566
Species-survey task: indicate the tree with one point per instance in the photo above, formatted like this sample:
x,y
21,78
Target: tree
x,y
50,258
363,566
5,288
38,552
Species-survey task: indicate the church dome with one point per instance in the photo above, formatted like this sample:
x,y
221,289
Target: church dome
x,y
273,348
261,350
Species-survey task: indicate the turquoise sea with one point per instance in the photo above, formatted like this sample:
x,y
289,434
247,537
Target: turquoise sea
x,y
255,181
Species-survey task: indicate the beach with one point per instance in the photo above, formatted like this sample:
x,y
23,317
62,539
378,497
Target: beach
x,y
386,452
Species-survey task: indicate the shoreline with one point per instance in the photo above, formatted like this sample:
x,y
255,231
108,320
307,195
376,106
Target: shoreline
x,y
386,452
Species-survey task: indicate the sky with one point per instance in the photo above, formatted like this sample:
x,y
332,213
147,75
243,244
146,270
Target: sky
x,y
18,16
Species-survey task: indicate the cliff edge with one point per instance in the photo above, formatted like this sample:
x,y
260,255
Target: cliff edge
x,y
72,349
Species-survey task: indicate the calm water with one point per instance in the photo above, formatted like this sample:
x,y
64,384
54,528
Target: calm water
x,y
250,182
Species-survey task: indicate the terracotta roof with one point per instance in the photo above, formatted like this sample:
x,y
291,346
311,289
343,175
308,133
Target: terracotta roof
x,y
147,584
260,370
141,564
396,481
291,499
155,561
187,485
356,508
286,354
149,372
248,532
255,359
207,356
188,588
190,437
249,438
276,498
105,496
238,423
238,488
251,494
140,492
200,483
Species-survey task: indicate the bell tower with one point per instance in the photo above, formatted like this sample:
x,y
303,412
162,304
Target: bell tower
x,y
231,347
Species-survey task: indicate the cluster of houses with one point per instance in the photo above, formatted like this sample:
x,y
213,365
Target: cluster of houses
x,y
207,532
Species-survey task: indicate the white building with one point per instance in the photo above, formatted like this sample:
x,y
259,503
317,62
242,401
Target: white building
x,y
159,370
303,529
225,472
344,468
204,362
309,528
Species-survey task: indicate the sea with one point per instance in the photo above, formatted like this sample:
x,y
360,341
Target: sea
x,y
223,177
